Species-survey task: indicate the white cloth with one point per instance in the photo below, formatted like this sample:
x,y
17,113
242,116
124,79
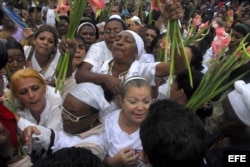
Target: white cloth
x,y
147,58
90,94
207,58
24,162
50,119
35,65
91,139
240,101
50,17
145,70
163,91
139,43
97,53
136,19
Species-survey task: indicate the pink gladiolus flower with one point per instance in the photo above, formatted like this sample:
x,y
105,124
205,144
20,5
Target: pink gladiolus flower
x,y
197,20
203,25
96,4
155,5
220,42
220,31
62,9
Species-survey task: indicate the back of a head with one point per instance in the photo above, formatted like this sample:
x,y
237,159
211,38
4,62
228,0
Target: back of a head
x,y
176,136
183,82
71,157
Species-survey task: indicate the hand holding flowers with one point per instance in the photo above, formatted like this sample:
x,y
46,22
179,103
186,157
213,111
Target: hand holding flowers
x,y
77,8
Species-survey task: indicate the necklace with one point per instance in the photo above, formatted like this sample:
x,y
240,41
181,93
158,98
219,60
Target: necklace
x,y
121,75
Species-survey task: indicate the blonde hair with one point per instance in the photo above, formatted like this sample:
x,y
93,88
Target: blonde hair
x,y
21,74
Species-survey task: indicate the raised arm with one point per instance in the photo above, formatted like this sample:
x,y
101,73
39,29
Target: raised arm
x,y
163,69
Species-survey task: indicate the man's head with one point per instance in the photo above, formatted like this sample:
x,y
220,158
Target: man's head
x,y
172,135
68,157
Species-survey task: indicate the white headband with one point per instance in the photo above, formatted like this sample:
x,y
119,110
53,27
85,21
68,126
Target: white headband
x,y
132,78
85,23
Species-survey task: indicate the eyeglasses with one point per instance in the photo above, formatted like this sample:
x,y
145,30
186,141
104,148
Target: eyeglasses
x,y
71,116
109,32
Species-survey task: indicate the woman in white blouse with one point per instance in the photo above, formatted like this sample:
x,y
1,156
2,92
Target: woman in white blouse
x,y
39,107
43,54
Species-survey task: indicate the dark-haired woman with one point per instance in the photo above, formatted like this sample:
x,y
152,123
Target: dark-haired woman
x,y
43,55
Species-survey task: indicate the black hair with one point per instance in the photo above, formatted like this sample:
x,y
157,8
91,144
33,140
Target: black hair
x,y
34,9
172,135
183,82
69,157
197,57
11,44
206,42
242,29
3,53
61,18
123,24
1,14
154,16
155,44
77,36
150,26
96,29
49,28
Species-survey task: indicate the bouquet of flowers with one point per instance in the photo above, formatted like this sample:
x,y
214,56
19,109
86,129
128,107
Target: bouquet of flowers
x,y
196,30
213,82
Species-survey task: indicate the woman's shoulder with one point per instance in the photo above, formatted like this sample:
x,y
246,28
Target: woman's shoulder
x,y
112,117
52,95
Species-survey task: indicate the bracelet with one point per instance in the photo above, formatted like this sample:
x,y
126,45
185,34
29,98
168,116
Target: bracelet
x,y
11,156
